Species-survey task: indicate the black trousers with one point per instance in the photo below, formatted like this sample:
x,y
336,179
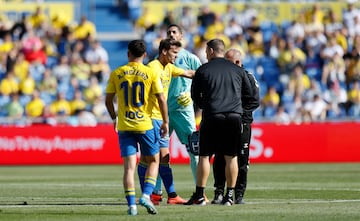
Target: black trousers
x,y
243,164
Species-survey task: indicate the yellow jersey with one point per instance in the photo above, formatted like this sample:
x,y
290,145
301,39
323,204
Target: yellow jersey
x,y
165,76
35,107
133,84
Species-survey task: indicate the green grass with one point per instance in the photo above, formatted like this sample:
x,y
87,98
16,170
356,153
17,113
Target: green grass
x,y
291,192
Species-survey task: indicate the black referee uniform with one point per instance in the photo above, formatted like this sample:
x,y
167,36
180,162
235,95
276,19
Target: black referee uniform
x,y
250,103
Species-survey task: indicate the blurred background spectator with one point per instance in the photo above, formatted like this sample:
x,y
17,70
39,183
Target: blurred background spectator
x,y
53,69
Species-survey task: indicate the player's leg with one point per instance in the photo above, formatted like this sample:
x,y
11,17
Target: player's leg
x,y
149,148
243,163
231,138
183,122
208,141
165,171
219,178
128,153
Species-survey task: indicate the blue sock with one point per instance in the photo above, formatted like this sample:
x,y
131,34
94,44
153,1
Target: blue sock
x,y
130,196
142,167
149,185
165,172
158,185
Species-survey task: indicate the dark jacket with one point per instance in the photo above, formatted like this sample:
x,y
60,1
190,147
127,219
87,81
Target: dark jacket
x,y
218,87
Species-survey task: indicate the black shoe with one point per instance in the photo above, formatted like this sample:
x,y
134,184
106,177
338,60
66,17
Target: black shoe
x,y
195,200
227,201
218,198
239,200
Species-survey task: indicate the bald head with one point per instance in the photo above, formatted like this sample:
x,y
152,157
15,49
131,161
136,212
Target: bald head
x,y
234,56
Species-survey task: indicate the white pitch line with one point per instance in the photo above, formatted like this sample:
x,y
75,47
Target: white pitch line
x,y
80,204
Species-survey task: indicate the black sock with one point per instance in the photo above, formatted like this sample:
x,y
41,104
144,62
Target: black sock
x,y
230,192
172,195
199,191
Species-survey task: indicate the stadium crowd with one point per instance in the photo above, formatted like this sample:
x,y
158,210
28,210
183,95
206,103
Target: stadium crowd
x,y
51,71
54,71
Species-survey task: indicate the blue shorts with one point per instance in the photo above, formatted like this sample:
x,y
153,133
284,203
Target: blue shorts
x,y
163,141
148,142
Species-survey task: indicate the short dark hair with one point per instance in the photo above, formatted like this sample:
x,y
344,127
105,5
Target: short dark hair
x,y
175,25
217,45
137,47
167,43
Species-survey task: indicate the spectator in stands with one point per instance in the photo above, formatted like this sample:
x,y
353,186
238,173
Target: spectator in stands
x,y
232,29
78,103
62,70
19,29
245,17
349,14
315,18
255,39
37,69
35,107
188,20
66,42
14,108
84,29
289,57
270,102
71,87
299,81
330,49
33,48
354,99
11,57
99,109
27,85
332,22
98,59
38,20
81,70
296,31
281,116
7,44
9,84
93,91
86,118
48,86
334,71
60,107
146,22
336,97
315,109
205,18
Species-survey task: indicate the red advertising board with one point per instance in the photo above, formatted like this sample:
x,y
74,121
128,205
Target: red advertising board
x,y
271,143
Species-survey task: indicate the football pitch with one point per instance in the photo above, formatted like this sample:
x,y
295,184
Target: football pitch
x,y
290,192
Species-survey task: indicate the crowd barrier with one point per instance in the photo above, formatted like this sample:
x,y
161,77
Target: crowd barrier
x,y
271,143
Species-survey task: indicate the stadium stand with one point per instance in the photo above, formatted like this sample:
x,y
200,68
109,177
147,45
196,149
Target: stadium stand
x,y
272,49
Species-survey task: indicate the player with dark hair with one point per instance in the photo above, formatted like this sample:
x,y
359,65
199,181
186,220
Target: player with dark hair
x,y
181,109
249,105
133,84
164,66
217,88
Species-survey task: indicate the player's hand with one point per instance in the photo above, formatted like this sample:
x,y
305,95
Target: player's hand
x,y
184,99
164,129
115,123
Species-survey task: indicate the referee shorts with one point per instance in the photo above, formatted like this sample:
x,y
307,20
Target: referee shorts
x,y
220,134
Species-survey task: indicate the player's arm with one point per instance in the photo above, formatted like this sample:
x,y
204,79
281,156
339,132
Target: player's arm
x,y
250,92
176,71
164,113
188,73
109,98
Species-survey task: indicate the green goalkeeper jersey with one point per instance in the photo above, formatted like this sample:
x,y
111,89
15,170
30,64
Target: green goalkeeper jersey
x,y
186,61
